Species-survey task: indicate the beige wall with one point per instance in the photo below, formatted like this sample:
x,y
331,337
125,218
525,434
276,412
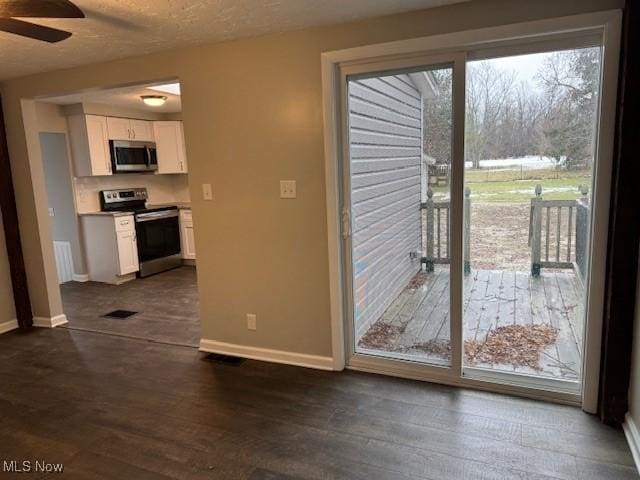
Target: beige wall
x,y
7,310
252,112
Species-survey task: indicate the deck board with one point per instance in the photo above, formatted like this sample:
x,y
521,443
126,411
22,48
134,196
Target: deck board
x,y
522,314
494,298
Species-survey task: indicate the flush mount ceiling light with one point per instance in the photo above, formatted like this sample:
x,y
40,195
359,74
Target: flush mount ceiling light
x,y
154,100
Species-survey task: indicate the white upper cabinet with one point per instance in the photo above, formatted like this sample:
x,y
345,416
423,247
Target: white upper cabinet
x,y
170,147
142,130
119,128
89,145
128,129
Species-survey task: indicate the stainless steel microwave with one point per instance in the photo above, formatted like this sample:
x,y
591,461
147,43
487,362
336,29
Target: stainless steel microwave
x,y
131,156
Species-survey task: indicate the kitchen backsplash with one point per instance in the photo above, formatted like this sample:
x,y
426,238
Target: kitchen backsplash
x,y
162,188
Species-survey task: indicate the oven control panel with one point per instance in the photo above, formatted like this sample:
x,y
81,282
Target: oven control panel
x,y
124,195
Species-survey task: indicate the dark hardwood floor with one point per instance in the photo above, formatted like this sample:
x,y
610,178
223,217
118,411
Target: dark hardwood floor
x,y
167,306
115,407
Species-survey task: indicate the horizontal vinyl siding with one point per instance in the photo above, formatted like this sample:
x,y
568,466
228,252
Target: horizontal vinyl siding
x,y
385,154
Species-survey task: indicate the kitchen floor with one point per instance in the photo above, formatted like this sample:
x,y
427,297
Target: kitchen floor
x,y
167,306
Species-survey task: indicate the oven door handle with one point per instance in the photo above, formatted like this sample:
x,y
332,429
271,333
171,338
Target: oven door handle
x,y
148,217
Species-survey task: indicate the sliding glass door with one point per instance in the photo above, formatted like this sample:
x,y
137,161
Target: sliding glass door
x,y
400,135
530,137
467,212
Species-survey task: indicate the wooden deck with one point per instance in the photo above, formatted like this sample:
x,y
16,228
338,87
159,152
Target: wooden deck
x,y
420,317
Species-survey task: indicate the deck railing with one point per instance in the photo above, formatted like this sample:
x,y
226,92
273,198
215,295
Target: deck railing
x,y
439,174
437,238
558,232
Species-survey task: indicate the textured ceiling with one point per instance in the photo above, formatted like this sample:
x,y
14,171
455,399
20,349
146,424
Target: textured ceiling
x,y
128,97
124,28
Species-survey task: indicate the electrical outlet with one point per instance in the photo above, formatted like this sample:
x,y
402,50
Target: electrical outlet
x,y
252,321
52,212
287,189
207,191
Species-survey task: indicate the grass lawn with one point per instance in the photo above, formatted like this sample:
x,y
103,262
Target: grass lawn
x,y
489,186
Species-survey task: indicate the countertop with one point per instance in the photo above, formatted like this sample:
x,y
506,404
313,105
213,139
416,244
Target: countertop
x,y
180,205
105,214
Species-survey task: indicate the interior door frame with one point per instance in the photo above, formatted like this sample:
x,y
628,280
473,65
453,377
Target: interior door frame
x,y
607,25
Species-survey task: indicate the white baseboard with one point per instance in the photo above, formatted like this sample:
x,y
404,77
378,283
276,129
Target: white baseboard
x,y
46,322
267,355
80,277
633,438
8,326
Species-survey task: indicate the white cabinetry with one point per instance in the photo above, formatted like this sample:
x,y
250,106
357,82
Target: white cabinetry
x,y
169,138
142,130
111,247
188,241
127,245
128,129
89,145
119,128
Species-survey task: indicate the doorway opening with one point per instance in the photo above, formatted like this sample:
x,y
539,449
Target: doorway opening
x,y
117,182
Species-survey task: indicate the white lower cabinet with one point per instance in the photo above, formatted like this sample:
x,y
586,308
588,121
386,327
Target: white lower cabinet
x,y
111,247
188,241
127,252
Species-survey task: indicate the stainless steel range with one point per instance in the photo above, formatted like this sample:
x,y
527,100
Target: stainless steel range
x,y
157,229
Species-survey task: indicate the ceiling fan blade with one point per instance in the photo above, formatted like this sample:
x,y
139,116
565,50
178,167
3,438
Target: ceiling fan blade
x,y
39,8
31,30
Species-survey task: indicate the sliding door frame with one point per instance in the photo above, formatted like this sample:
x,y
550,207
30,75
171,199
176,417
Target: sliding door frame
x,y
419,63
460,47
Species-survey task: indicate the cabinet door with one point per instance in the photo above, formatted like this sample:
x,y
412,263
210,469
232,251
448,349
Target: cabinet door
x,y
127,252
170,147
142,130
119,128
188,242
98,144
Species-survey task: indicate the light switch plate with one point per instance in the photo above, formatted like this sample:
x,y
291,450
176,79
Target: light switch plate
x,y
52,212
288,189
207,192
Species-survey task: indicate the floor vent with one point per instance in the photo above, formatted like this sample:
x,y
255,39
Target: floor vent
x,y
120,314
224,359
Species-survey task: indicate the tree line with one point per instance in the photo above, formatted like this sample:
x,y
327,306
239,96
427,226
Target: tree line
x,y
507,118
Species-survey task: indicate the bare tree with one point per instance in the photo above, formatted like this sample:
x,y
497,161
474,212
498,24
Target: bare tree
x,y
438,118
555,116
489,93
571,84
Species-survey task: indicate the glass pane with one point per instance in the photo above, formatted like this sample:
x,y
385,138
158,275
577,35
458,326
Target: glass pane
x,y
131,156
400,156
530,136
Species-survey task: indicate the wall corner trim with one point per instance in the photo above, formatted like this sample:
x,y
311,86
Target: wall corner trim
x,y
46,322
8,326
80,277
633,438
268,355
